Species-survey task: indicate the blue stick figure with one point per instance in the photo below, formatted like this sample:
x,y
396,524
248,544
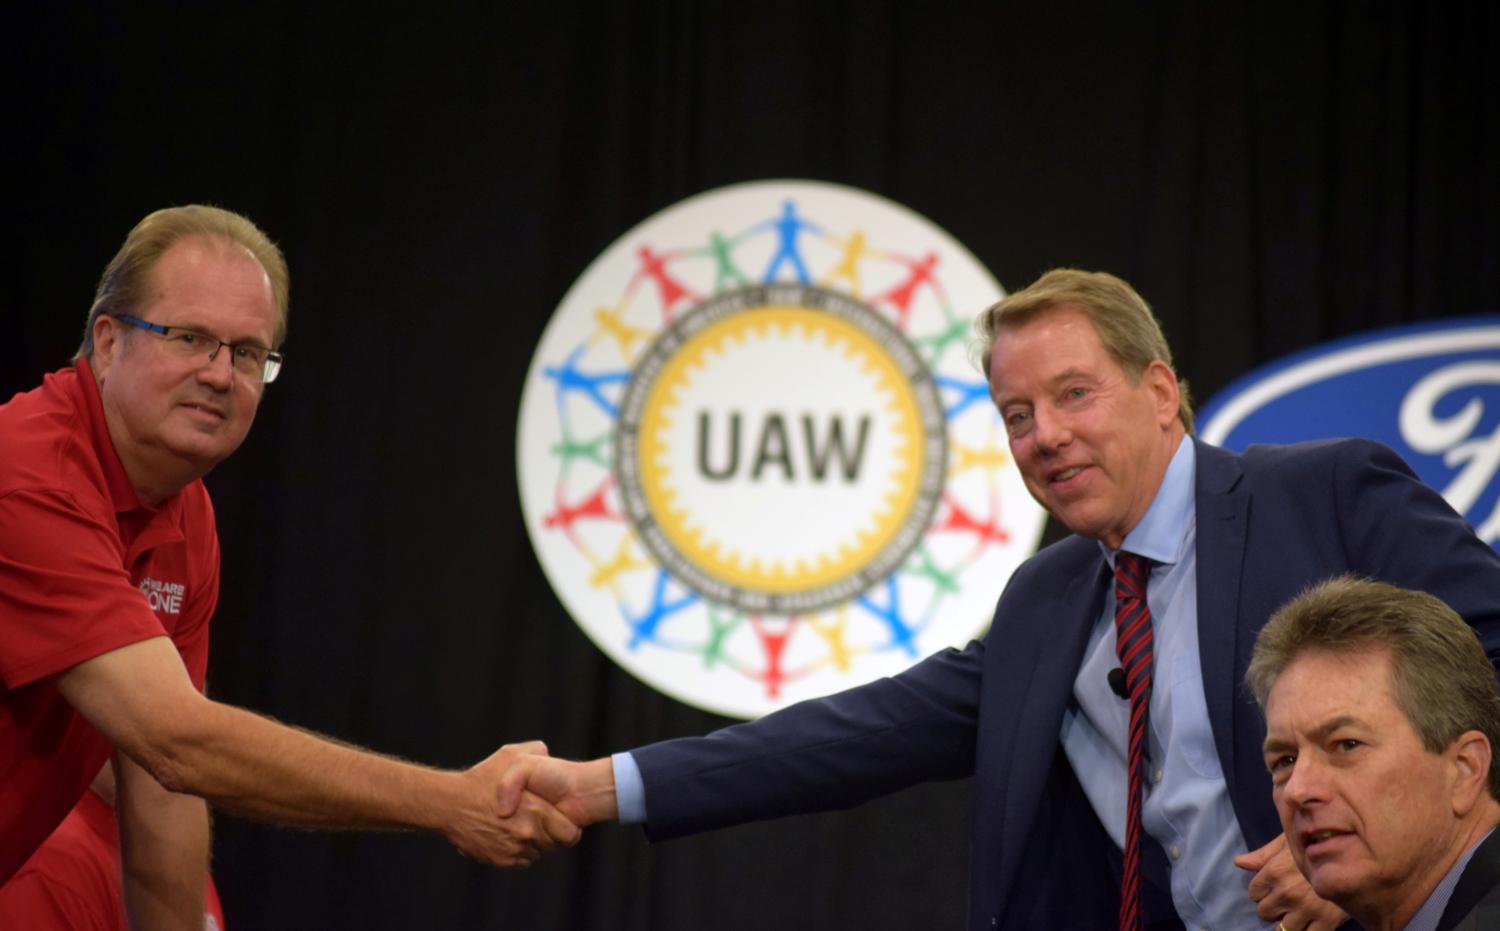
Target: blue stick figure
x,y
787,227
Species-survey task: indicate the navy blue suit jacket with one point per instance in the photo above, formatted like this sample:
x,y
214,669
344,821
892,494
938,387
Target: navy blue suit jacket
x,y
1475,903
1269,523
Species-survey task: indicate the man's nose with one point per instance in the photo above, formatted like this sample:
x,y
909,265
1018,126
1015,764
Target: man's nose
x,y
218,368
1051,430
1307,783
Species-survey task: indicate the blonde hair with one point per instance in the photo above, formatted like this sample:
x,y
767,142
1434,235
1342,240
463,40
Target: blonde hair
x,y
123,286
1121,317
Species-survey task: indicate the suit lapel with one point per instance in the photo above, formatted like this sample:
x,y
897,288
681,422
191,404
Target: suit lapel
x,y
1222,516
1045,654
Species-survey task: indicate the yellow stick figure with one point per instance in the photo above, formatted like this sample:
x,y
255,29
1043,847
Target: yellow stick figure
x,y
613,327
623,561
832,632
848,264
989,457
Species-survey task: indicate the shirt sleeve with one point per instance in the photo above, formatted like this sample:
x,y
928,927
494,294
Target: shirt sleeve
x,y
630,789
65,596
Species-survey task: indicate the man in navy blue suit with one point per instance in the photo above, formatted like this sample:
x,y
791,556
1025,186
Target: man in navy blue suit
x,y
1101,430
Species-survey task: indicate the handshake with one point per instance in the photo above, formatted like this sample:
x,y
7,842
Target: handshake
x,y
521,803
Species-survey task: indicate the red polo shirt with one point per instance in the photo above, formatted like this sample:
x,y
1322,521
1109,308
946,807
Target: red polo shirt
x,y
73,882
85,568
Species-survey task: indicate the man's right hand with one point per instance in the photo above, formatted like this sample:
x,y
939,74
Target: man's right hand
x,y
583,791
508,830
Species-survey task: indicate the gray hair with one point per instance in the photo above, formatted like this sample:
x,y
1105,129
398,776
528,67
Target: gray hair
x,y
1441,678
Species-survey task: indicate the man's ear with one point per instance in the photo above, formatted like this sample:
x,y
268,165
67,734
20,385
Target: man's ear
x,y
1470,753
107,344
1162,382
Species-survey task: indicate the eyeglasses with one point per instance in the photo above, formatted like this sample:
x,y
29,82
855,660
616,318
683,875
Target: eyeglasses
x,y
248,359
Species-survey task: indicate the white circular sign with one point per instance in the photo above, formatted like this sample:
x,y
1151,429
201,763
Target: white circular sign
x,y
755,459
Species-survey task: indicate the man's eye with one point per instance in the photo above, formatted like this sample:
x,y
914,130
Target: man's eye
x,y
187,339
1349,743
1076,393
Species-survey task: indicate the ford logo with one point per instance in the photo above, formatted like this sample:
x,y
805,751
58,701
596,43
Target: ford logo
x,y
1431,392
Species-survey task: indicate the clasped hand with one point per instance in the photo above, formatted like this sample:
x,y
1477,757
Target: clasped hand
x,y
521,803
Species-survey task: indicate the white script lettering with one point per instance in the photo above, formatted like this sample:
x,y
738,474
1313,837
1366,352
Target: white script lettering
x,y
1477,458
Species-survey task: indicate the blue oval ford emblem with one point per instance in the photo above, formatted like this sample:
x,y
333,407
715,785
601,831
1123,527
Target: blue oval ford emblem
x,y
1431,392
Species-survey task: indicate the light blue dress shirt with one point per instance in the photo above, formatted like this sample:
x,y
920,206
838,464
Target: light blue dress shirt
x,y
1187,807
630,789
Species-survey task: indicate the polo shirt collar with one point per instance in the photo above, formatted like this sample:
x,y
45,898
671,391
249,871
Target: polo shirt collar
x,y
121,492
145,527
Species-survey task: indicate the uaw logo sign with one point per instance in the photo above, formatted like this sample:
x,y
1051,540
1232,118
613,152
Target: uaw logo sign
x,y
755,459
1431,392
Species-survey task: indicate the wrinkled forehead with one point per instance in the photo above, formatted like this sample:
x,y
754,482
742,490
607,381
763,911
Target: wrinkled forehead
x,y
1047,345
209,281
1331,682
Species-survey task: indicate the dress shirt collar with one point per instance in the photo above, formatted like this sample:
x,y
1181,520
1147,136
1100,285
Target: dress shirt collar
x,y
1162,534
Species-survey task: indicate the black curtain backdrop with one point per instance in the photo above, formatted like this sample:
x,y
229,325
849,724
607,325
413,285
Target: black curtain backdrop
x,y
1269,175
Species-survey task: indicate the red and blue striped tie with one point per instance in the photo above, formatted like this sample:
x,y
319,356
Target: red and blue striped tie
x,y
1133,642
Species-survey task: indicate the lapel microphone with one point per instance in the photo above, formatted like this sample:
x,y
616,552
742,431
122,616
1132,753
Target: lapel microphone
x,y
1117,683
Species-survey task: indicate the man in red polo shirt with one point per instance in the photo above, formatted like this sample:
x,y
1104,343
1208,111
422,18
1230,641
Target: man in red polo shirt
x,y
109,571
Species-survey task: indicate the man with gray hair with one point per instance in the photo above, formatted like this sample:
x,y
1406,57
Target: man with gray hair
x,y
109,572
1382,723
